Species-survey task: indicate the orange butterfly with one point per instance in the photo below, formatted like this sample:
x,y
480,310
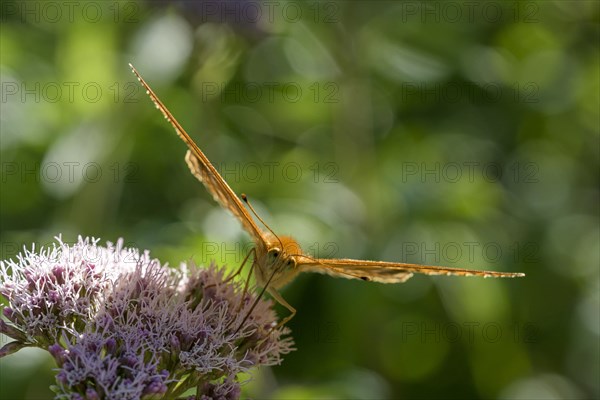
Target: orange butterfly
x,y
278,259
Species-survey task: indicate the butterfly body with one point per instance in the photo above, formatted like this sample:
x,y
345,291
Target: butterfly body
x,y
278,259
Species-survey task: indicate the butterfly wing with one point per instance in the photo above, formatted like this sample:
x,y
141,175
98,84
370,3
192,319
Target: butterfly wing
x,y
205,172
388,272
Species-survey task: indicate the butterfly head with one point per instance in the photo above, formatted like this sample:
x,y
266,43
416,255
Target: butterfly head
x,y
279,260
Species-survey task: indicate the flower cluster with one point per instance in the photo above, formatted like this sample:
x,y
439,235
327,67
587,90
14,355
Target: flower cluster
x,y
122,326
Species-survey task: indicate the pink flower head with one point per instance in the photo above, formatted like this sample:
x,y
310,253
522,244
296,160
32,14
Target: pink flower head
x,y
121,325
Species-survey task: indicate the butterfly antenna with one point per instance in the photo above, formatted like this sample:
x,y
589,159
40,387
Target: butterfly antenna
x,y
245,198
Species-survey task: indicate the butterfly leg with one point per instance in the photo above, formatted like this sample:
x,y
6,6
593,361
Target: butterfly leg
x,y
258,297
275,294
239,270
246,286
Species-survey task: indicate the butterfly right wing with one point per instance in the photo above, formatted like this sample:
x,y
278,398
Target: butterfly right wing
x,y
205,172
354,269
388,272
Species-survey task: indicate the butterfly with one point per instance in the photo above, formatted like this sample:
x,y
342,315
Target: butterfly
x,y
279,259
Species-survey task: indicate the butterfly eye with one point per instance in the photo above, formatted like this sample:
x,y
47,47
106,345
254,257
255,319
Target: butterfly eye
x,y
274,253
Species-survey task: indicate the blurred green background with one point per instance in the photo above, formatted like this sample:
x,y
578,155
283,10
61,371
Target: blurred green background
x,y
449,133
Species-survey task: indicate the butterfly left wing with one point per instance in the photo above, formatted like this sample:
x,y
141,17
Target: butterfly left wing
x,y
387,272
205,172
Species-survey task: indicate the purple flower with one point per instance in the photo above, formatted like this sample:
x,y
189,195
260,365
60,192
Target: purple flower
x,y
121,325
